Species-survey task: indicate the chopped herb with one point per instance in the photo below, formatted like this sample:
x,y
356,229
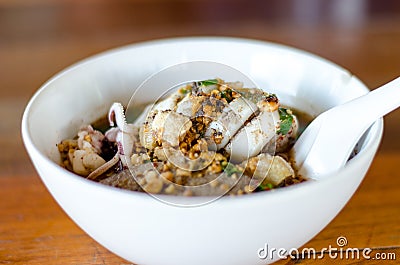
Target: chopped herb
x,y
267,186
286,120
226,94
230,169
185,90
209,82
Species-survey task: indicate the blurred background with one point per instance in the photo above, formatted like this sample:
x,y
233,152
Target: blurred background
x,y
38,38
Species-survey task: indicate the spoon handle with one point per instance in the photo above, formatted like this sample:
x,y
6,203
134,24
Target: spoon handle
x,y
378,102
330,139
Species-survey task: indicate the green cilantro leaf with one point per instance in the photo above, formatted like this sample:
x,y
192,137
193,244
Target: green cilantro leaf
x,y
227,94
184,90
286,120
267,186
209,82
230,169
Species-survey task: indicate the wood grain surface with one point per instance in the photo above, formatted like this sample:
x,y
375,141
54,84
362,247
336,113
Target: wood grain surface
x,y
38,38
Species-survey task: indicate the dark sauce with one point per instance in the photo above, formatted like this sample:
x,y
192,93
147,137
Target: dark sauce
x,y
304,119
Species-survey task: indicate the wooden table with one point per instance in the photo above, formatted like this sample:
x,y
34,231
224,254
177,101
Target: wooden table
x,y
40,37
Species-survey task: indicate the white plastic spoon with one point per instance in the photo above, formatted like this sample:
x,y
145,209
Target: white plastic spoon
x,y
326,144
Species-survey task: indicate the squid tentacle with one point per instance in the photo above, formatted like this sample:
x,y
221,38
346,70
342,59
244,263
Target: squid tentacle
x,y
116,116
121,135
103,169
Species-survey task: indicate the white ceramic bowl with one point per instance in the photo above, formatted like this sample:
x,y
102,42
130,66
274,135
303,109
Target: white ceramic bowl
x,y
230,230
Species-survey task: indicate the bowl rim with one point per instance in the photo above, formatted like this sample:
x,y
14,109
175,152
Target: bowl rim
x,y
376,131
